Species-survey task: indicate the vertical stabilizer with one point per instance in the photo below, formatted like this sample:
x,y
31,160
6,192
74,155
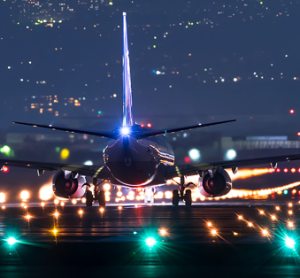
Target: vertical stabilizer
x,y
127,97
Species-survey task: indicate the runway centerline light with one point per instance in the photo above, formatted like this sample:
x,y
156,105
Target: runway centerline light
x,y
56,202
101,209
55,231
214,232
74,202
290,224
150,241
80,212
250,224
11,241
3,207
290,212
24,195
56,214
261,212
289,242
277,208
163,232
28,216
290,204
230,154
273,217
240,217
120,207
209,224
265,232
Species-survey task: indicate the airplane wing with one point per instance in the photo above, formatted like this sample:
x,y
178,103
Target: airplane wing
x,y
171,130
92,171
73,130
188,170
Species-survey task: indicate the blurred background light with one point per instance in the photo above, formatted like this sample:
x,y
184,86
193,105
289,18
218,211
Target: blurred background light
x,y
194,154
230,154
46,192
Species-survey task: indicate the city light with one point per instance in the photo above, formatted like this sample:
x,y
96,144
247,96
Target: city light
x,y
150,241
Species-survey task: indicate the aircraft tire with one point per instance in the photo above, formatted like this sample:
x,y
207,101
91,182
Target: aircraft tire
x,y
175,198
188,197
101,198
89,198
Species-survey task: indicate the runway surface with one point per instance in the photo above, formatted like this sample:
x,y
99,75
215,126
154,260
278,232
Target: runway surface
x,y
112,243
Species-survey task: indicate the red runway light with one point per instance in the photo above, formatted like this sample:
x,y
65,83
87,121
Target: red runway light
x,y
285,170
271,170
293,170
278,170
292,111
298,133
149,125
142,125
5,169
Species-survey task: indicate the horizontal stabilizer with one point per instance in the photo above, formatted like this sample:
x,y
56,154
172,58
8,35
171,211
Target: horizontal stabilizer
x,y
72,130
171,130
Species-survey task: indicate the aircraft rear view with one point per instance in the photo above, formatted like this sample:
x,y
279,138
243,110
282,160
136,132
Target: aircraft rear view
x,y
139,158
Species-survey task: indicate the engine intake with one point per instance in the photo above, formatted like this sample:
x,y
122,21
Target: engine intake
x,y
218,185
68,188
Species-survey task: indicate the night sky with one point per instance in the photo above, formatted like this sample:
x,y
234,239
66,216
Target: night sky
x,y
202,60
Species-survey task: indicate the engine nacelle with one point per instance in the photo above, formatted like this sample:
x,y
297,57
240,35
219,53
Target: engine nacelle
x,y
218,185
68,188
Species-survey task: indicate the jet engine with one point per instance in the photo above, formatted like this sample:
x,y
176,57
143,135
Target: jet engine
x,y
69,187
215,184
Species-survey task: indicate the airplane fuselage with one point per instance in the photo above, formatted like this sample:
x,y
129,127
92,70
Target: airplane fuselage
x,y
138,163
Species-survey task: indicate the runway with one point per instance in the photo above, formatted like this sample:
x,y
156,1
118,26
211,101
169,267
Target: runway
x,y
112,242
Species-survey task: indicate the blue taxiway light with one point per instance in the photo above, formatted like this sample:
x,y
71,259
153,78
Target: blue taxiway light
x,y
290,242
150,241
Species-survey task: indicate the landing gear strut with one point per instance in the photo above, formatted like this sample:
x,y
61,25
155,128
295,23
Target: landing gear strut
x,y
187,196
149,196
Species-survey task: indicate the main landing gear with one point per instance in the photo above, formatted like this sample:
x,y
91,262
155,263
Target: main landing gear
x,y
99,195
149,196
185,195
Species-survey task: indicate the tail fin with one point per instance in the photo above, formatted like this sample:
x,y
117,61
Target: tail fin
x,y
127,97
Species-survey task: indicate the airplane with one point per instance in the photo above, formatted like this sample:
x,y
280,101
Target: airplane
x,y
139,158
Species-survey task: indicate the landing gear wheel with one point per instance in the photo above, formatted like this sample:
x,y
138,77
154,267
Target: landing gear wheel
x,y
175,198
89,198
101,198
188,197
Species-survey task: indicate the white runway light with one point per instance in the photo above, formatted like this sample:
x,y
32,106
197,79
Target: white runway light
x,y
88,163
194,154
230,154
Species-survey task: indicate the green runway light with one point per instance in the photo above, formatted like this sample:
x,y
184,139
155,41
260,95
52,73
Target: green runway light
x,y
290,242
285,192
11,241
5,149
99,112
150,241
